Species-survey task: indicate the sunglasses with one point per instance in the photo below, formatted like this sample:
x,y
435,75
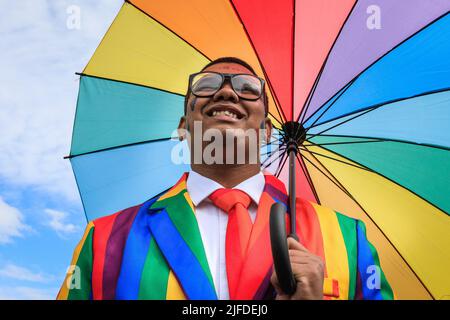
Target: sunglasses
x,y
206,84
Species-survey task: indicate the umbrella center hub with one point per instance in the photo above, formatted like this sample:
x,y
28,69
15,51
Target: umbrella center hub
x,y
294,134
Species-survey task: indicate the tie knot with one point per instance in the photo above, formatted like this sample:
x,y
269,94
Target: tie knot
x,y
226,199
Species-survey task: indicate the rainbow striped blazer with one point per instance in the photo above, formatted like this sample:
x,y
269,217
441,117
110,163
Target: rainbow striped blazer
x,y
155,251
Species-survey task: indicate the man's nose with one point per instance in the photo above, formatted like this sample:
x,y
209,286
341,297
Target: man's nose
x,y
226,92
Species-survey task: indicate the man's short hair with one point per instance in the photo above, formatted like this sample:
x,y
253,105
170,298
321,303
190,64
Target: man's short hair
x,y
230,60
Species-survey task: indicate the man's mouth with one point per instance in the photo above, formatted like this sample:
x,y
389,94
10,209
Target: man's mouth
x,y
225,112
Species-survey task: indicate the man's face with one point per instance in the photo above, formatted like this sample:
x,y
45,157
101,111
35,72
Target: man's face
x,y
210,110
250,114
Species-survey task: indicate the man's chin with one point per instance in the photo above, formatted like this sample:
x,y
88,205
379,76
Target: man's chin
x,y
222,126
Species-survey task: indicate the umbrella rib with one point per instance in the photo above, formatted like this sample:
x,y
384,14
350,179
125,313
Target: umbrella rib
x,y
144,86
272,141
348,142
81,197
381,57
183,39
275,118
316,82
293,60
331,158
273,151
280,168
350,119
82,74
426,145
279,129
334,182
369,216
116,147
162,24
265,165
277,102
328,108
310,94
366,110
363,167
308,177
278,148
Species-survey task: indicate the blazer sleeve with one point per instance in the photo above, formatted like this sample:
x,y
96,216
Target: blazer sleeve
x,y
371,283
77,284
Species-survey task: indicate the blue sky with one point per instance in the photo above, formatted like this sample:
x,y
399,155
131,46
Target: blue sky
x,y
41,217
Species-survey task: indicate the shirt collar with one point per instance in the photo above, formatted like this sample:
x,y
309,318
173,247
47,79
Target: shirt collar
x,y
200,187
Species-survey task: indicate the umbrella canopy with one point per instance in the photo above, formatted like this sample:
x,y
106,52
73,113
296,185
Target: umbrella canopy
x,y
368,80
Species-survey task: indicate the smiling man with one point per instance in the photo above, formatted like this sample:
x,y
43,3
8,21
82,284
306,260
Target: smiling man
x,y
207,237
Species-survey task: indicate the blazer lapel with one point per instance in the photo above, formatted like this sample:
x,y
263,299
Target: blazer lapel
x,y
255,276
173,224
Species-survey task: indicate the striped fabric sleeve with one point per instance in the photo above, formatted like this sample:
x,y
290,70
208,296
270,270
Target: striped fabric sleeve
x,y
371,283
77,283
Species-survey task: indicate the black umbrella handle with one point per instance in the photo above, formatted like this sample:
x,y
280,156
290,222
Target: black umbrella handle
x,y
280,252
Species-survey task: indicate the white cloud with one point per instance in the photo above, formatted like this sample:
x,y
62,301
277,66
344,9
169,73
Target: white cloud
x,y
11,223
39,89
15,272
27,293
57,221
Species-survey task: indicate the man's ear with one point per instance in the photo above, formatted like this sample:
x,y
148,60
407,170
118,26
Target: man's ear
x,y
268,127
183,126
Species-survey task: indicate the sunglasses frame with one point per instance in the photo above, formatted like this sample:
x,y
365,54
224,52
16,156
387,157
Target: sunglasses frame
x,y
224,77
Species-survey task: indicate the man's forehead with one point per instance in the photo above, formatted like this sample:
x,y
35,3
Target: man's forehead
x,y
228,67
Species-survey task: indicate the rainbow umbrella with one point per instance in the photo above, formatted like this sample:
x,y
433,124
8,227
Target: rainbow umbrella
x,y
367,81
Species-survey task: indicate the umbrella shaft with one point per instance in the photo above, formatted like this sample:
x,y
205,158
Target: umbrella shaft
x,y
292,191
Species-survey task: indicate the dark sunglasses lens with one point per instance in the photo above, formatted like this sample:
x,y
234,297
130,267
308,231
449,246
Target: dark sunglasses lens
x,y
206,84
247,86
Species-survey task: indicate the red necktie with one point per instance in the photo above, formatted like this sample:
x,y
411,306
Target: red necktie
x,y
234,202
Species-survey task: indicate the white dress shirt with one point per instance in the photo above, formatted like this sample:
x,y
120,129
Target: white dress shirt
x,y
212,221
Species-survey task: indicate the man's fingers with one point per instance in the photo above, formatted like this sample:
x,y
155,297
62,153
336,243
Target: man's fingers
x,y
294,244
294,254
280,294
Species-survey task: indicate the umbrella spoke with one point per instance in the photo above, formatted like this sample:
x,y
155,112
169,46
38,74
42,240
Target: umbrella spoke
x,y
377,139
338,160
280,168
377,60
265,165
336,183
343,189
316,81
364,111
126,82
332,104
275,118
363,167
306,105
308,177
343,142
117,147
166,27
273,151
274,94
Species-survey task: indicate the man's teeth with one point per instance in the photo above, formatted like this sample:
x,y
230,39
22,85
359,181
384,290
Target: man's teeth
x,y
226,112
